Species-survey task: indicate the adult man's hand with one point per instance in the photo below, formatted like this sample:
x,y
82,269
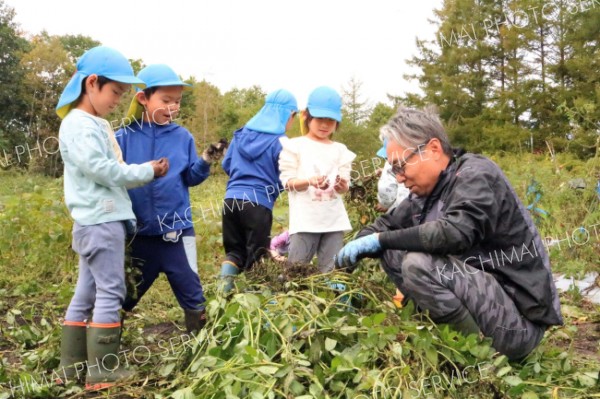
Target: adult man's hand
x,y
365,245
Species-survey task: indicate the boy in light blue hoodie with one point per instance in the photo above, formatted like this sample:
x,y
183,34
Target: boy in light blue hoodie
x,y
95,194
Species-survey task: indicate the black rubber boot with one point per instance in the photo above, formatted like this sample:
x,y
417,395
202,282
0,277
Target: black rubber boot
x,y
195,320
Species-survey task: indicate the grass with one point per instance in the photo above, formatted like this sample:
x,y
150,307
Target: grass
x,y
297,338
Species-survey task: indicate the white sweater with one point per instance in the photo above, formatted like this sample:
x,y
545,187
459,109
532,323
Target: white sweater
x,y
315,210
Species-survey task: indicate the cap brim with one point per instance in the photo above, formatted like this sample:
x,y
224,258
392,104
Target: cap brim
x,y
128,80
325,113
186,86
173,83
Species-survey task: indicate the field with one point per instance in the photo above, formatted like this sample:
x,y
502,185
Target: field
x,y
307,336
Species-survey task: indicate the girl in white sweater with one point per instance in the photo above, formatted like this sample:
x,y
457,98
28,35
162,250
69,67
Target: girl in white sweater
x,y
316,172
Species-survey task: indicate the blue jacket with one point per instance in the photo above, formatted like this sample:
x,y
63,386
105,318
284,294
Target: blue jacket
x,y
164,204
253,168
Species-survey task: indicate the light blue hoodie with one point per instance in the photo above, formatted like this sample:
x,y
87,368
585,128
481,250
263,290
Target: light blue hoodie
x,y
94,179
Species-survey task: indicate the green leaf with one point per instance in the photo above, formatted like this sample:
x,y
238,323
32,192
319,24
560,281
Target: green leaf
x,y
346,330
432,355
248,301
503,371
585,380
268,370
166,370
513,380
296,388
566,365
185,393
397,349
378,318
529,395
336,362
500,361
282,372
330,344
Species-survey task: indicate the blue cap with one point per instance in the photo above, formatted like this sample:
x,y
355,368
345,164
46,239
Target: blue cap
x,y
324,102
160,75
154,75
102,61
273,116
383,150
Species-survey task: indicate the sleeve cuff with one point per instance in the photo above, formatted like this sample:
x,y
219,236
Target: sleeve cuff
x,y
202,165
405,239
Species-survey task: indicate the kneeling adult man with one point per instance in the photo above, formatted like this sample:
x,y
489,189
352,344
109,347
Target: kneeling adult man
x,y
462,245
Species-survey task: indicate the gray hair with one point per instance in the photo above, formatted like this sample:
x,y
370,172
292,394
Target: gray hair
x,y
412,128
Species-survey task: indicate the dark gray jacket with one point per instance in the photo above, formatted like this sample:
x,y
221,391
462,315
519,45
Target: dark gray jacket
x,y
475,215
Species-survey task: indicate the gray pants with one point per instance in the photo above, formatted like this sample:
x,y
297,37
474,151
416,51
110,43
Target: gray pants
x,y
450,290
303,247
101,283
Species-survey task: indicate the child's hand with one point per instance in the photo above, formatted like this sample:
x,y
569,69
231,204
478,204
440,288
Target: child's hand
x,y
161,167
341,185
319,182
380,208
215,151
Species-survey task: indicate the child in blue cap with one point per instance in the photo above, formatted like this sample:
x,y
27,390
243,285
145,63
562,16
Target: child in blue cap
x,y
316,172
95,194
390,193
253,187
166,240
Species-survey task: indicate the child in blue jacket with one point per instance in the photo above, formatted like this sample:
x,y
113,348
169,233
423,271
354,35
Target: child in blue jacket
x,y
165,241
252,165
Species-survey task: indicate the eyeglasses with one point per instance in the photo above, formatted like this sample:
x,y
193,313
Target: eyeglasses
x,y
398,169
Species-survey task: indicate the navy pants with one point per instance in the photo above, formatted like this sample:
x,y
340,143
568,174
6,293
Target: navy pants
x,y
176,259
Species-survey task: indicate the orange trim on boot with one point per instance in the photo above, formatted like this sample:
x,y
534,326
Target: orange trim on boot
x,y
105,325
98,386
231,263
75,323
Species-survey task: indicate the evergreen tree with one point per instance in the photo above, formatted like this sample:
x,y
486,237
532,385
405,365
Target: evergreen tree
x,y
13,107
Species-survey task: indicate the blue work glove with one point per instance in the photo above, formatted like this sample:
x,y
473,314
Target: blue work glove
x,y
351,251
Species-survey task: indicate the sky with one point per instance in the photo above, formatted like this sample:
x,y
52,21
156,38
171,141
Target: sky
x,y
239,43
